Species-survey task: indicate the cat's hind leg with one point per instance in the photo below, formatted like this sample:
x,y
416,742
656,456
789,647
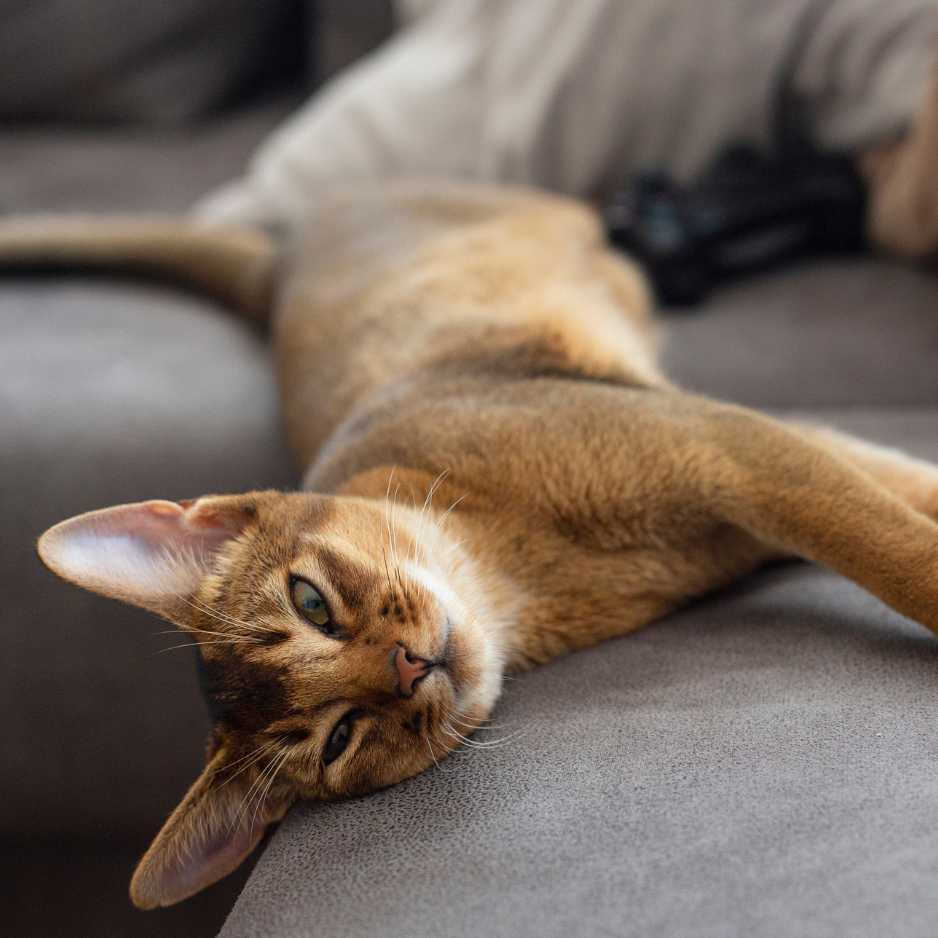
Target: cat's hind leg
x,y
828,498
716,490
913,480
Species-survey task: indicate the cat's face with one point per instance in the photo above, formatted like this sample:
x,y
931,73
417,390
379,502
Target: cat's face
x,y
341,650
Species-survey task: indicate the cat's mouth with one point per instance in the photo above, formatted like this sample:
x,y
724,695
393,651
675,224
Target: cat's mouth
x,y
419,680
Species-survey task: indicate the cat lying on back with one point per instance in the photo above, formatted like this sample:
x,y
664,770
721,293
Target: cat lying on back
x,y
496,473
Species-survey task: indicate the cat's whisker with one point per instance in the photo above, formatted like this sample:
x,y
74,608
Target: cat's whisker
x,y
243,806
211,613
453,719
414,538
277,762
430,747
248,798
388,518
250,759
392,534
387,572
263,747
224,617
483,743
397,560
424,513
201,632
446,514
434,485
229,641
221,616
481,724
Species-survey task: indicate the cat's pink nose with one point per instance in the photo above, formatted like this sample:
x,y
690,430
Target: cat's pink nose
x,y
409,670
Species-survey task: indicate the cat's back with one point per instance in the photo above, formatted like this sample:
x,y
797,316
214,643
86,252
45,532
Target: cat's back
x,y
416,280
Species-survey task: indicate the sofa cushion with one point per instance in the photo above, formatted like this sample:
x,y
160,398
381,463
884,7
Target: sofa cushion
x,y
846,333
123,169
112,392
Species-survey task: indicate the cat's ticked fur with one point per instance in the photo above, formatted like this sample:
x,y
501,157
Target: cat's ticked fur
x,y
496,473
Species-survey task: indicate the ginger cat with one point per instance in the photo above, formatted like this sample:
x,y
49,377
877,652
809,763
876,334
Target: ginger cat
x,y
496,473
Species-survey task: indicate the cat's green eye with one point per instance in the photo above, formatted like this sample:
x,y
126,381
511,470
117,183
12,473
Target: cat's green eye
x,y
339,739
310,605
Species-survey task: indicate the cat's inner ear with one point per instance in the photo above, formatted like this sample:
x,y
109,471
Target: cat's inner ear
x,y
215,827
152,554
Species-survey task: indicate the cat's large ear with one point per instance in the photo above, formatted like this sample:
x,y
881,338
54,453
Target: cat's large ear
x,y
214,828
151,554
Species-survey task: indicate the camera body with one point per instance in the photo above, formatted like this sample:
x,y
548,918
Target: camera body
x,y
748,213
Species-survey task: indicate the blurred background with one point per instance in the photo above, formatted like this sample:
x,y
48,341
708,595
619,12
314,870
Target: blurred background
x,y
150,105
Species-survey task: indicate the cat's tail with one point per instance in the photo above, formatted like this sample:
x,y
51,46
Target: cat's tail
x,y
234,265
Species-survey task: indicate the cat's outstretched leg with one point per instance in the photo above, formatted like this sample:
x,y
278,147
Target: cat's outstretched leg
x,y
669,496
827,498
913,480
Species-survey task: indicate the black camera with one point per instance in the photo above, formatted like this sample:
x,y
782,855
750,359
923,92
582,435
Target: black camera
x,y
748,213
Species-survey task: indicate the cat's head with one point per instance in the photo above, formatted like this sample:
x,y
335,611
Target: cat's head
x,y
341,649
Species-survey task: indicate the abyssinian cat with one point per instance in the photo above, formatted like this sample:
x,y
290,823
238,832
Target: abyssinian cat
x,y
496,473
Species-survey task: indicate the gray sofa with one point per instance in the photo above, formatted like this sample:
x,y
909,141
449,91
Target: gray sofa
x,y
761,764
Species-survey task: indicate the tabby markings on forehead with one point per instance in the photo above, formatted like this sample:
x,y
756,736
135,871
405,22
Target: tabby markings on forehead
x,y
350,571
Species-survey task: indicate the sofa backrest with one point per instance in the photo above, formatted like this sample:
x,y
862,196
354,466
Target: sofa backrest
x,y
164,61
